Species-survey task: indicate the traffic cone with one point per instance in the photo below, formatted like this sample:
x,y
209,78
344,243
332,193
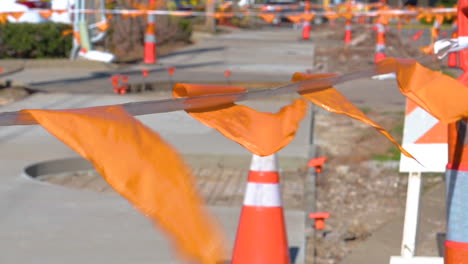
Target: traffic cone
x,y
150,40
306,30
380,45
348,33
456,243
261,235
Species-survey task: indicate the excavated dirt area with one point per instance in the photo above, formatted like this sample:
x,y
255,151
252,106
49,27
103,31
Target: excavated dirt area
x,y
333,55
361,186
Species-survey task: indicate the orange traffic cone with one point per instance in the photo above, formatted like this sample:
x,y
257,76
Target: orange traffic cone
x,y
306,30
348,33
261,235
380,45
150,40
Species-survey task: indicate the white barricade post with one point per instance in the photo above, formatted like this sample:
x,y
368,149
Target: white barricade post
x,y
426,139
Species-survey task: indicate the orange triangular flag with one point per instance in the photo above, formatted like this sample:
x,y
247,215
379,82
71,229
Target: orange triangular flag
x,y
46,14
267,17
143,168
294,18
67,32
16,15
260,133
103,26
60,11
332,100
3,18
308,16
423,86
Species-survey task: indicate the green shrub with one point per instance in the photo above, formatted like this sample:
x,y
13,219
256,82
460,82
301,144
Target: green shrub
x,y
26,40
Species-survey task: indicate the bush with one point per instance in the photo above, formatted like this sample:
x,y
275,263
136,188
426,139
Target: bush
x,y
26,40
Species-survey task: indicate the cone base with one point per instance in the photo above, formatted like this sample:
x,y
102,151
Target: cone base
x,y
306,33
150,53
378,57
261,237
348,37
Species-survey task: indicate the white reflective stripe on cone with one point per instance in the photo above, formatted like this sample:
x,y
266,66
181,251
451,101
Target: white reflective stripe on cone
x,y
263,195
380,48
380,28
150,38
268,163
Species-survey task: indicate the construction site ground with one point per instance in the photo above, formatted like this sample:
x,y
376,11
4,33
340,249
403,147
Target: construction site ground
x,y
71,218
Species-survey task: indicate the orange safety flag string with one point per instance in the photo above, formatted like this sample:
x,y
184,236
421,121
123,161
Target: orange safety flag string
x,y
261,133
442,96
152,176
333,101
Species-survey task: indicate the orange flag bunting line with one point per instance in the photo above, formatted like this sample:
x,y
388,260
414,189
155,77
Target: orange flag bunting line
x,y
332,100
261,133
153,177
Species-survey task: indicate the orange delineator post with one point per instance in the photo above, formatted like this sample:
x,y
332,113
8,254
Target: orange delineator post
x,y
261,235
380,45
150,37
452,60
456,244
348,32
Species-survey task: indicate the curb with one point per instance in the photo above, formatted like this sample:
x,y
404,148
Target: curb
x,y
55,63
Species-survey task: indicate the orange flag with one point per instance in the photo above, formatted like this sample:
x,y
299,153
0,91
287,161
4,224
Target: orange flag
x,y
294,18
45,13
143,168
260,133
103,26
308,16
332,100
267,17
60,11
442,96
3,18
16,15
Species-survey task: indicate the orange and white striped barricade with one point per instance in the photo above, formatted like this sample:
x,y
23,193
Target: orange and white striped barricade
x,y
425,137
348,32
261,234
456,244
